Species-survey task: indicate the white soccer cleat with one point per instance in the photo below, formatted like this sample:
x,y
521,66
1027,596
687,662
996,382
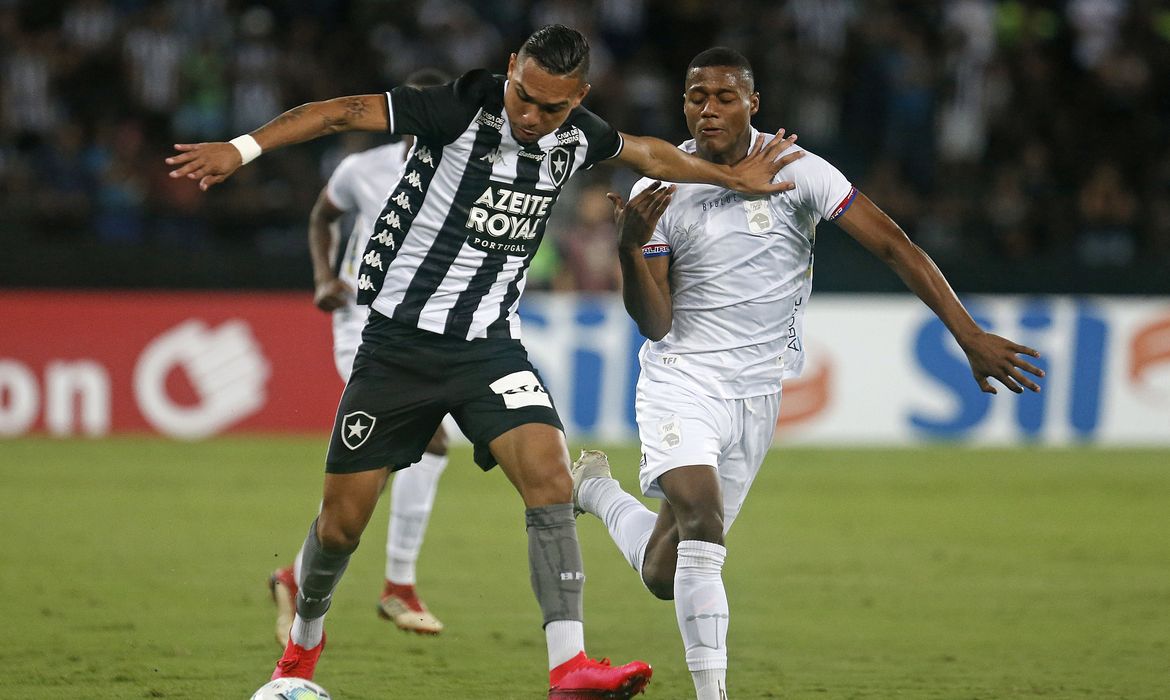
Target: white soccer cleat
x,y
592,464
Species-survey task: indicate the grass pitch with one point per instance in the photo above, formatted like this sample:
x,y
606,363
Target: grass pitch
x,y
136,569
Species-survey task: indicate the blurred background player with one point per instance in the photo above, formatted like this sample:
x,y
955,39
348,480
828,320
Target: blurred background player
x,y
358,188
719,283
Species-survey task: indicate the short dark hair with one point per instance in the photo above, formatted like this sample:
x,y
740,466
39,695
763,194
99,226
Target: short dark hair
x,y
723,56
558,49
427,77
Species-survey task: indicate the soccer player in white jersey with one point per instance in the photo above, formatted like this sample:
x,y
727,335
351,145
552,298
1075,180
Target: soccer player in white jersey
x,y
358,188
443,274
718,282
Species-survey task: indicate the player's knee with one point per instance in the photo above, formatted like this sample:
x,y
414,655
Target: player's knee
x,y
548,486
438,443
659,583
705,524
335,535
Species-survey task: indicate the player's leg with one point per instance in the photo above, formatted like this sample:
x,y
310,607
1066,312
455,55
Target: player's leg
x,y
700,599
385,417
412,497
535,459
346,507
347,322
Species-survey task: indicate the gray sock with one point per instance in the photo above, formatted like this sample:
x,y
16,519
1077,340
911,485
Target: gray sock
x,y
554,559
321,569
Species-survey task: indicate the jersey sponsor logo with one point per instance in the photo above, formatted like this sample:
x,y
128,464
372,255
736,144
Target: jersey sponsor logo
x,y
558,165
402,201
569,138
655,250
356,428
520,389
759,215
505,214
412,178
532,155
793,334
720,201
490,120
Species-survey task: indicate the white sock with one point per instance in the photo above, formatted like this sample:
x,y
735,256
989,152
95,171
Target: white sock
x,y
307,633
700,604
710,685
412,495
566,639
628,521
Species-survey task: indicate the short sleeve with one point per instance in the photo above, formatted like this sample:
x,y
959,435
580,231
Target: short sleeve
x,y
341,188
602,140
820,187
659,244
440,113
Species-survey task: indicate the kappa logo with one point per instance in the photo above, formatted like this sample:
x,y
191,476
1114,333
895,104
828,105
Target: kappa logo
x,y
414,179
423,154
392,220
402,201
356,428
493,157
684,232
558,165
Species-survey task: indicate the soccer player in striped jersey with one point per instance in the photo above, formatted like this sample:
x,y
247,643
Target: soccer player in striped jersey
x,y
355,194
719,282
443,274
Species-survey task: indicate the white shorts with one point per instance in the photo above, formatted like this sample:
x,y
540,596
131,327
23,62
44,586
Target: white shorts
x,y
680,427
348,322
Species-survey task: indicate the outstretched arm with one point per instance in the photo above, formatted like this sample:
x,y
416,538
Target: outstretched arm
x,y
645,283
212,163
659,160
329,292
989,355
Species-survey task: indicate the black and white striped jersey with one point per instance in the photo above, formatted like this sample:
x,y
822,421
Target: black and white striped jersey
x,y
452,246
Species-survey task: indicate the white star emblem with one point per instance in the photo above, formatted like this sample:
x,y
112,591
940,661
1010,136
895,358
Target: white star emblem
x,y
559,165
357,429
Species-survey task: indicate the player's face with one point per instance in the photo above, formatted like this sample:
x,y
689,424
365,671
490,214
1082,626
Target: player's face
x,y
719,104
538,102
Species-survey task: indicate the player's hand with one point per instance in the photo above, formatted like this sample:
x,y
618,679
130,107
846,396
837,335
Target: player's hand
x,y
636,220
754,174
209,163
991,356
331,294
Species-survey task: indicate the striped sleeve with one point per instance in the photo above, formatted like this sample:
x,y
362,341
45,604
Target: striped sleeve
x,y
604,141
438,114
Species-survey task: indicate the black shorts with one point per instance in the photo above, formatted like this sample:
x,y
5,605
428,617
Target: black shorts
x,y
404,380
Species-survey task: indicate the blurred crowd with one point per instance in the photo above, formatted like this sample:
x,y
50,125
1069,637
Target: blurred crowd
x,y
994,131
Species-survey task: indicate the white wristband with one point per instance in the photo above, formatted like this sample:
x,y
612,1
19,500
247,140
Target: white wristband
x,y
247,147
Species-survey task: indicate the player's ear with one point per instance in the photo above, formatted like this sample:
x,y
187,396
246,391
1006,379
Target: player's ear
x,y
581,95
511,66
754,101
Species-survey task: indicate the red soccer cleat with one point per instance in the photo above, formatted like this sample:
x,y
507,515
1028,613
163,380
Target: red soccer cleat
x,y
297,661
401,605
585,679
283,587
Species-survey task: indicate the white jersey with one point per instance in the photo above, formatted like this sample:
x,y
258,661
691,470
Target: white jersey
x,y
360,186
740,277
